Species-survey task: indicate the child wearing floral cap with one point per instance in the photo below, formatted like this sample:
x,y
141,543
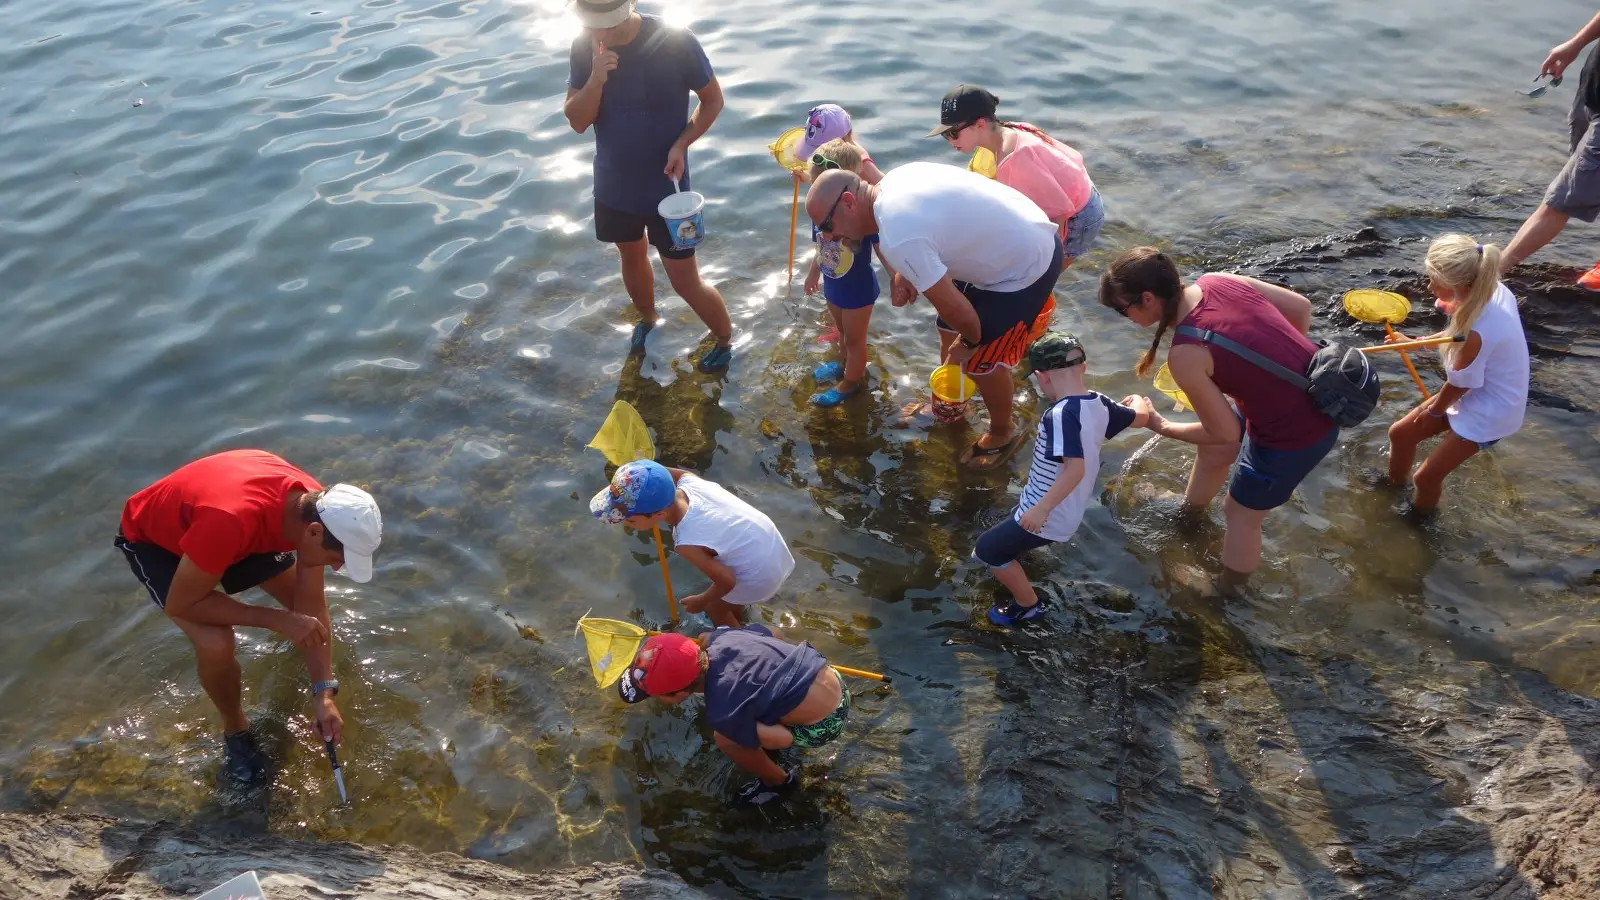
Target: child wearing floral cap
x,y
731,542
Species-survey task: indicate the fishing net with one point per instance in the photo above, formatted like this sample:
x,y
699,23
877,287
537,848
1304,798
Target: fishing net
x,y
612,644
624,438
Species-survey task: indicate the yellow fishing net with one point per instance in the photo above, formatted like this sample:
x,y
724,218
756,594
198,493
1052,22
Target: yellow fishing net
x,y
783,150
1377,306
612,645
1168,385
624,438
982,162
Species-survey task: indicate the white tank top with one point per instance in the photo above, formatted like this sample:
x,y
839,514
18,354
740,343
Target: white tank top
x,y
1497,380
744,539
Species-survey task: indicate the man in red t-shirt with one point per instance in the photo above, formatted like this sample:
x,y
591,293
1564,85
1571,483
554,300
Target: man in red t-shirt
x,y
237,520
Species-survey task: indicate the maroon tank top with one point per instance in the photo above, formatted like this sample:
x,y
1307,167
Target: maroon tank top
x,y
1276,414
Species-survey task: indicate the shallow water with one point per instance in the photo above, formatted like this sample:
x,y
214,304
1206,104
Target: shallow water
x,y
358,234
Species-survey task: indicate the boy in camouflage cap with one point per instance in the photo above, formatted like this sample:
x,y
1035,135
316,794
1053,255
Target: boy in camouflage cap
x,y
1066,459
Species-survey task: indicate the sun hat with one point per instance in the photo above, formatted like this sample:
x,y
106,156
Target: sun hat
x,y
351,516
1056,350
823,124
962,106
603,13
666,664
639,488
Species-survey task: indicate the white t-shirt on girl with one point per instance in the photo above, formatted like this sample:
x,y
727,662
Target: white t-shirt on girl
x,y
1497,380
744,539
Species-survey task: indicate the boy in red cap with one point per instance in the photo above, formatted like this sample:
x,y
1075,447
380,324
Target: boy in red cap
x,y
762,694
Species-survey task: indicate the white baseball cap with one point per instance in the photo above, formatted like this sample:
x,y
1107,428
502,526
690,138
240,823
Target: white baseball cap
x,y
603,13
351,516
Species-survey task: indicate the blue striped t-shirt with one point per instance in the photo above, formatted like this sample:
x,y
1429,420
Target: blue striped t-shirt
x,y
1073,427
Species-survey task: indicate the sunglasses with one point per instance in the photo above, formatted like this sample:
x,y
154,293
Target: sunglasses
x,y
818,161
1540,90
826,225
955,132
1123,309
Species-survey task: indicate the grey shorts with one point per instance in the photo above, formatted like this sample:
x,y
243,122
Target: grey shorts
x,y
1576,190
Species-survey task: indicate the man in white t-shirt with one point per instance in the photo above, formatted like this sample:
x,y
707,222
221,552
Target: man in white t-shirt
x,y
984,255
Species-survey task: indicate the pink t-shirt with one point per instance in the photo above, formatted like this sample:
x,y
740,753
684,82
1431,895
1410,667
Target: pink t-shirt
x,y
1047,172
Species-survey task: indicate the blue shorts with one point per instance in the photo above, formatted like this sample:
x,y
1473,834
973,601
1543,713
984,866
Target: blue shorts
x,y
1083,229
1001,545
1264,477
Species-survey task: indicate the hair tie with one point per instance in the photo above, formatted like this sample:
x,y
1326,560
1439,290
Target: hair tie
x,y
1480,249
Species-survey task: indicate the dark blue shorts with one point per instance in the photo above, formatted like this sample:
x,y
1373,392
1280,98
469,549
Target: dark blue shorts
x,y
1264,477
155,567
1001,545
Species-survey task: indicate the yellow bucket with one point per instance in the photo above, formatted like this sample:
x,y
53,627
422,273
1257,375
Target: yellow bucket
x,y
951,389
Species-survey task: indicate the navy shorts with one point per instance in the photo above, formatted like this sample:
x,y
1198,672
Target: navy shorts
x,y
614,226
154,567
1006,319
1264,477
1001,545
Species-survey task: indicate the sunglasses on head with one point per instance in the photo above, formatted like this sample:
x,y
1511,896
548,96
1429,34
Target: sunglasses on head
x,y
822,162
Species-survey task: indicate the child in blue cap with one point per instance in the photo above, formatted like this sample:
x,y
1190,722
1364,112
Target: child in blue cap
x,y
731,542
1066,461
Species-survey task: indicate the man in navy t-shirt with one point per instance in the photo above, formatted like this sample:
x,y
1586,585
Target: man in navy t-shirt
x,y
762,694
630,78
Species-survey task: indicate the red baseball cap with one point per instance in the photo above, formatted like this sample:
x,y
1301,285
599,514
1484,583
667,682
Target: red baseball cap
x,y
666,664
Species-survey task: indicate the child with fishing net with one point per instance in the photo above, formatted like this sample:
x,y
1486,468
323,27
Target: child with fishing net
x,y
843,268
1486,392
762,694
731,542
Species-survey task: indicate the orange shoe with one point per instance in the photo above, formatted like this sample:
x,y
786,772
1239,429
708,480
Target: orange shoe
x,y
1591,278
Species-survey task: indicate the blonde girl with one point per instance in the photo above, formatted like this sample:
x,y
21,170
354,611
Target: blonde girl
x,y
1486,392
847,278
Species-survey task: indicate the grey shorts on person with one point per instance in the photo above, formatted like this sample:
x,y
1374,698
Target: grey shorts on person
x,y
1576,190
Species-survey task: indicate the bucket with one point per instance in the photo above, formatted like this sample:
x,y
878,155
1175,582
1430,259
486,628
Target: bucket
x,y
951,389
685,215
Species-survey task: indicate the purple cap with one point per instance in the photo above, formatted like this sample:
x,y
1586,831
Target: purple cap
x,y
823,124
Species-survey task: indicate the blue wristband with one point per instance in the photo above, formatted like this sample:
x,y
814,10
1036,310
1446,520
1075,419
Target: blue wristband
x,y
330,685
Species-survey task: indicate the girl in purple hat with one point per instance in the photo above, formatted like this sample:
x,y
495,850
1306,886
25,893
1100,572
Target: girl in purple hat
x,y
844,272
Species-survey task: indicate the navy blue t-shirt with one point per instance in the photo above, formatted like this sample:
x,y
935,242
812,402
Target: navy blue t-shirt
x,y
753,677
857,286
644,107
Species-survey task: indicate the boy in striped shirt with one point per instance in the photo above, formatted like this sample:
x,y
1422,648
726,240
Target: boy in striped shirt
x,y
1066,460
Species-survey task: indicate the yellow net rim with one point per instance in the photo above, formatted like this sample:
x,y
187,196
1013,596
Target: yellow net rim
x,y
1375,306
610,627
783,149
1168,385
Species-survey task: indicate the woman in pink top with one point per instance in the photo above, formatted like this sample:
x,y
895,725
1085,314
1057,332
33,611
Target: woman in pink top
x,y
1037,165
1282,434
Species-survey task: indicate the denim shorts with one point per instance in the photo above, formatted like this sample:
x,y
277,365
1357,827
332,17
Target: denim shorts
x,y
1001,545
1083,229
1264,477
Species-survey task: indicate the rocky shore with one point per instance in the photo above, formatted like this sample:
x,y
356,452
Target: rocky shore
x,y
55,856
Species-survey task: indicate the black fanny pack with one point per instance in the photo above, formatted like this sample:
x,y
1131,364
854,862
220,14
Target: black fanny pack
x,y
1341,383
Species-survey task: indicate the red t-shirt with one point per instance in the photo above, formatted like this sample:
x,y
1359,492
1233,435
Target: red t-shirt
x,y
1277,414
217,510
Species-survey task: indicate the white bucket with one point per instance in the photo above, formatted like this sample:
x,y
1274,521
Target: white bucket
x,y
684,212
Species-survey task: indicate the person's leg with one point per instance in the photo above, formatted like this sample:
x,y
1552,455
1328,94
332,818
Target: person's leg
x,y
1016,581
1241,543
1210,469
721,612
639,279
997,388
774,737
684,273
998,548
853,327
753,760
1445,458
1404,437
218,666
1541,228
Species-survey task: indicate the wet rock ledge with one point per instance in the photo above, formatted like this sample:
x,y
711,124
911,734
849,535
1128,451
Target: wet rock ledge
x,y
57,856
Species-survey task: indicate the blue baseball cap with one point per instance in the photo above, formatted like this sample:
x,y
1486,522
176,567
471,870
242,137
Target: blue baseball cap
x,y
639,488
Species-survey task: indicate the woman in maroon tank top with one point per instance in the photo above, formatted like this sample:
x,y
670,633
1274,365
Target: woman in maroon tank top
x,y
1246,413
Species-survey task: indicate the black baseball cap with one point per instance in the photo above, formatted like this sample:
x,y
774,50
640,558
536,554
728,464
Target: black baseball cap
x,y
965,103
